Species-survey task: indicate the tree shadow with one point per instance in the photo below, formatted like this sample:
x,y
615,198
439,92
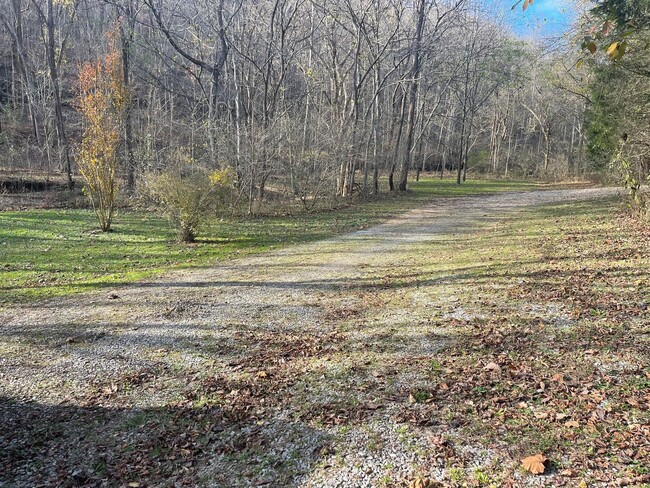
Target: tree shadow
x,y
72,445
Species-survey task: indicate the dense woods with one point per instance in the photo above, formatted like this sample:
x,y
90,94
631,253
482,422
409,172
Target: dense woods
x,y
305,101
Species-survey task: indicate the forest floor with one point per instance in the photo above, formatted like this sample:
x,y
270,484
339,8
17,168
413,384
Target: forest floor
x,y
439,348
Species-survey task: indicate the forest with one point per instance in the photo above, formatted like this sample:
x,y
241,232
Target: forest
x,y
308,102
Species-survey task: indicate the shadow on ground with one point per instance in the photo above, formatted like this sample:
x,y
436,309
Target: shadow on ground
x,y
100,446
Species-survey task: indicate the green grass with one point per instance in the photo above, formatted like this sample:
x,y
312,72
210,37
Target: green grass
x,y
448,187
48,253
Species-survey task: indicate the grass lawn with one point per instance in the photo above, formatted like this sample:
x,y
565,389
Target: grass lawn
x,y
48,253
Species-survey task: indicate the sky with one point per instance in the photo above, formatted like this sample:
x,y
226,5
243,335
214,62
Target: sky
x,y
545,18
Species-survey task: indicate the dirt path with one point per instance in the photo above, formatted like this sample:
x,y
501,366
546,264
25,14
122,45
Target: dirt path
x,y
269,336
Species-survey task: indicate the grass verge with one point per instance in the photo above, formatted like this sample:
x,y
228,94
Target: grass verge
x,y
48,253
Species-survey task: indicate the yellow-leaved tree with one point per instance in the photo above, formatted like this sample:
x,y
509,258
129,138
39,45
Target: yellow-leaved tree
x,y
102,100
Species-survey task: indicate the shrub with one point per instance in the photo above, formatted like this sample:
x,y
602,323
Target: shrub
x,y
639,199
189,199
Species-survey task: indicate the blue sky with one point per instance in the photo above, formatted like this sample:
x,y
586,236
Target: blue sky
x,y
543,18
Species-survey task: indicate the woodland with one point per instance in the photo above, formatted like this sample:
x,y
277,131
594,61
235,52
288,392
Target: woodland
x,y
309,102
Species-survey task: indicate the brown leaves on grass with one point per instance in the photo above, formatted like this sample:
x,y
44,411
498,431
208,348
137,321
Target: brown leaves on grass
x,y
338,414
563,399
534,464
116,390
600,275
343,313
265,348
568,378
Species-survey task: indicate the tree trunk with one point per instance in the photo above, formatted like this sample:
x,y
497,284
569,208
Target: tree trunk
x,y
398,139
127,41
54,77
461,156
412,96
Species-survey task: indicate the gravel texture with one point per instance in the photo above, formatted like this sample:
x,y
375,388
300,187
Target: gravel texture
x,y
56,353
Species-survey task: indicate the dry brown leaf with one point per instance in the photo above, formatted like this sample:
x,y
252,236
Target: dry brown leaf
x,y
572,424
534,464
624,481
492,367
421,483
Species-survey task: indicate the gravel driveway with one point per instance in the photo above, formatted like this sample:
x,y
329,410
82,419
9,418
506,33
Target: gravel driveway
x,y
89,364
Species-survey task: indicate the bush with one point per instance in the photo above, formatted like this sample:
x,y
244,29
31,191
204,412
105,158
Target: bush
x,y
189,199
102,101
639,200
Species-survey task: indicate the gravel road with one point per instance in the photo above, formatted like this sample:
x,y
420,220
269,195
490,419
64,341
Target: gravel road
x,y
56,352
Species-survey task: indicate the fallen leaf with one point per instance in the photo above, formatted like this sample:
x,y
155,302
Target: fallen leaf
x,y
608,27
572,424
492,367
534,464
421,483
